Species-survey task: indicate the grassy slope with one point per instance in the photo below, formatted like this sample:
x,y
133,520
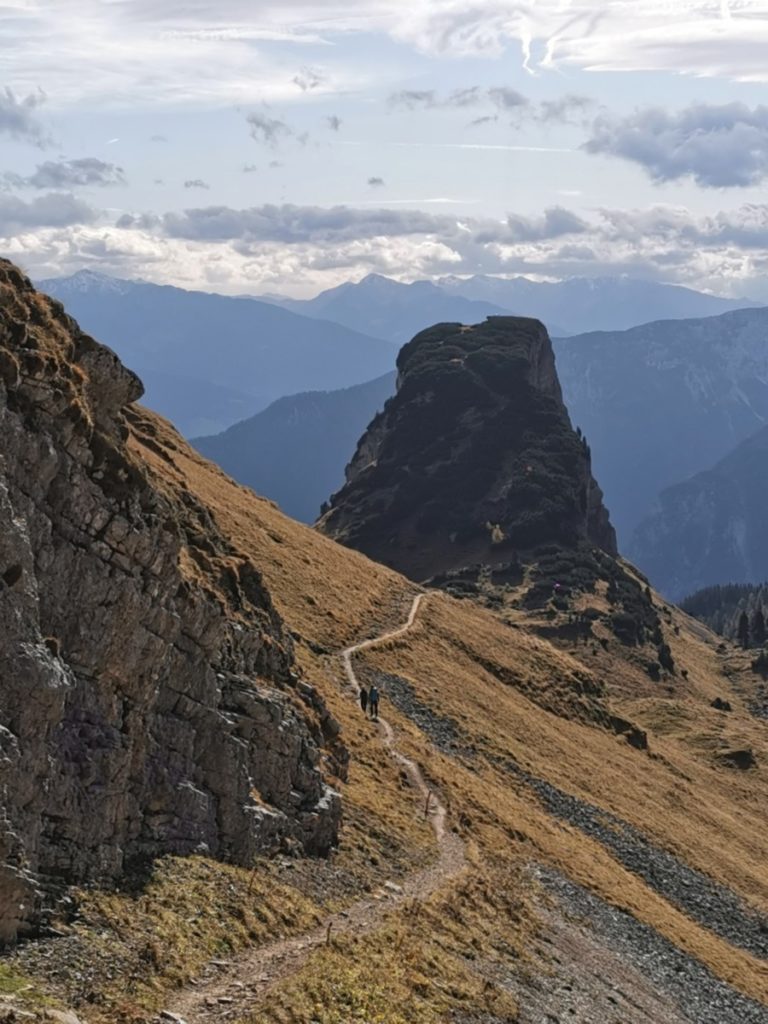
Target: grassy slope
x,y
440,959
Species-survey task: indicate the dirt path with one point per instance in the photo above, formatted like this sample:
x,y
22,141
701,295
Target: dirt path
x,y
226,991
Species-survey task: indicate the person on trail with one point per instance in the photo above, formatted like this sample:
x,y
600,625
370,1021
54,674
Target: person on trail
x,y
373,701
363,698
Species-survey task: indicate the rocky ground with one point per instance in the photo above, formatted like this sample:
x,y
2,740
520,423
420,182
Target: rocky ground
x,y
706,901
445,732
607,968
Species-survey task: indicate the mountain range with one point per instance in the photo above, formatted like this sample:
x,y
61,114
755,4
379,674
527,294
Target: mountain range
x,y
581,304
396,311
209,360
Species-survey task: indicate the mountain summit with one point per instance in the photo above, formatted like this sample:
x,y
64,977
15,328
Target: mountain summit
x,y
474,458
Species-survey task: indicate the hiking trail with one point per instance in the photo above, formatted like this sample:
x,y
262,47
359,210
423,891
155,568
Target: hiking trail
x,y
228,990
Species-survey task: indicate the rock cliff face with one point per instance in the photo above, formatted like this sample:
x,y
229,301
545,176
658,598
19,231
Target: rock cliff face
x,y
148,702
474,459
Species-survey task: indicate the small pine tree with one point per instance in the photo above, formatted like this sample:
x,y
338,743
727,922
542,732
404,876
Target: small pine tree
x,y
742,630
758,627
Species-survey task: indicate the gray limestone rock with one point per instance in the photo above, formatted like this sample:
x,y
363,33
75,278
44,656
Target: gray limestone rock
x,y
142,711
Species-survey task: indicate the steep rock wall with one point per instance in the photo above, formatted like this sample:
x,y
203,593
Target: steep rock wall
x,y
473,460
148,702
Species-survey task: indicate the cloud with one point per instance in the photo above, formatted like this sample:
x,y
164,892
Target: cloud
x,y
145,53
308,79
717,146
470,96
268,130
290,224
65,174
464,97
553,223
53,210
486,119
507,99
306,248
18,118
158,138
376,182
250,168
568,109
196,183
334,122
413,99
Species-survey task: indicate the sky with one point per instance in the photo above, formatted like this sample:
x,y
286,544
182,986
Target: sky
x,y
286,146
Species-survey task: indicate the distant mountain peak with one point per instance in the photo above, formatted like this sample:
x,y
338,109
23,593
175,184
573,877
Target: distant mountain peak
x,y
87,280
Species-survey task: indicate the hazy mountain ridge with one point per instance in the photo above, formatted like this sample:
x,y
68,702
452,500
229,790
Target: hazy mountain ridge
x,y
584,304
711,528
665,400
387,308
295,450
390,309
250,352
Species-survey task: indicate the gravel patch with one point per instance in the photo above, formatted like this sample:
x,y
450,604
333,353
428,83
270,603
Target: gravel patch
x,y
705,901
699,996
445,732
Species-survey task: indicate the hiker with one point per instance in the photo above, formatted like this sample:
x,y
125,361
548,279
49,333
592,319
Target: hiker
x,y
373,700
363,698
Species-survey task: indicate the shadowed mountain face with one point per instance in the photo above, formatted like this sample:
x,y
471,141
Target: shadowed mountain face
x,y
712,528
208,361
473,459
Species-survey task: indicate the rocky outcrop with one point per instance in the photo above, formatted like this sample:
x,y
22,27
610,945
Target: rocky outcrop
x,y
148,698
473,460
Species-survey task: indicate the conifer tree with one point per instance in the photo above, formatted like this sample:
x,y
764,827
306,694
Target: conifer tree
x,y
758,627
742,630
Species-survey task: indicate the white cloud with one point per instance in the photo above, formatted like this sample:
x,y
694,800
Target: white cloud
x,y
299,250
151,52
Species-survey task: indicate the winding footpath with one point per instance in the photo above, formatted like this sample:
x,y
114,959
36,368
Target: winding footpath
x,y
226,992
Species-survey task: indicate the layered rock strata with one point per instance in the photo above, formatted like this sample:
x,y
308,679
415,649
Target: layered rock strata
x,y
148,699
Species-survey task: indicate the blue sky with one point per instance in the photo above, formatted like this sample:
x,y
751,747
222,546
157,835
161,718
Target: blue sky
x,y
287,146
